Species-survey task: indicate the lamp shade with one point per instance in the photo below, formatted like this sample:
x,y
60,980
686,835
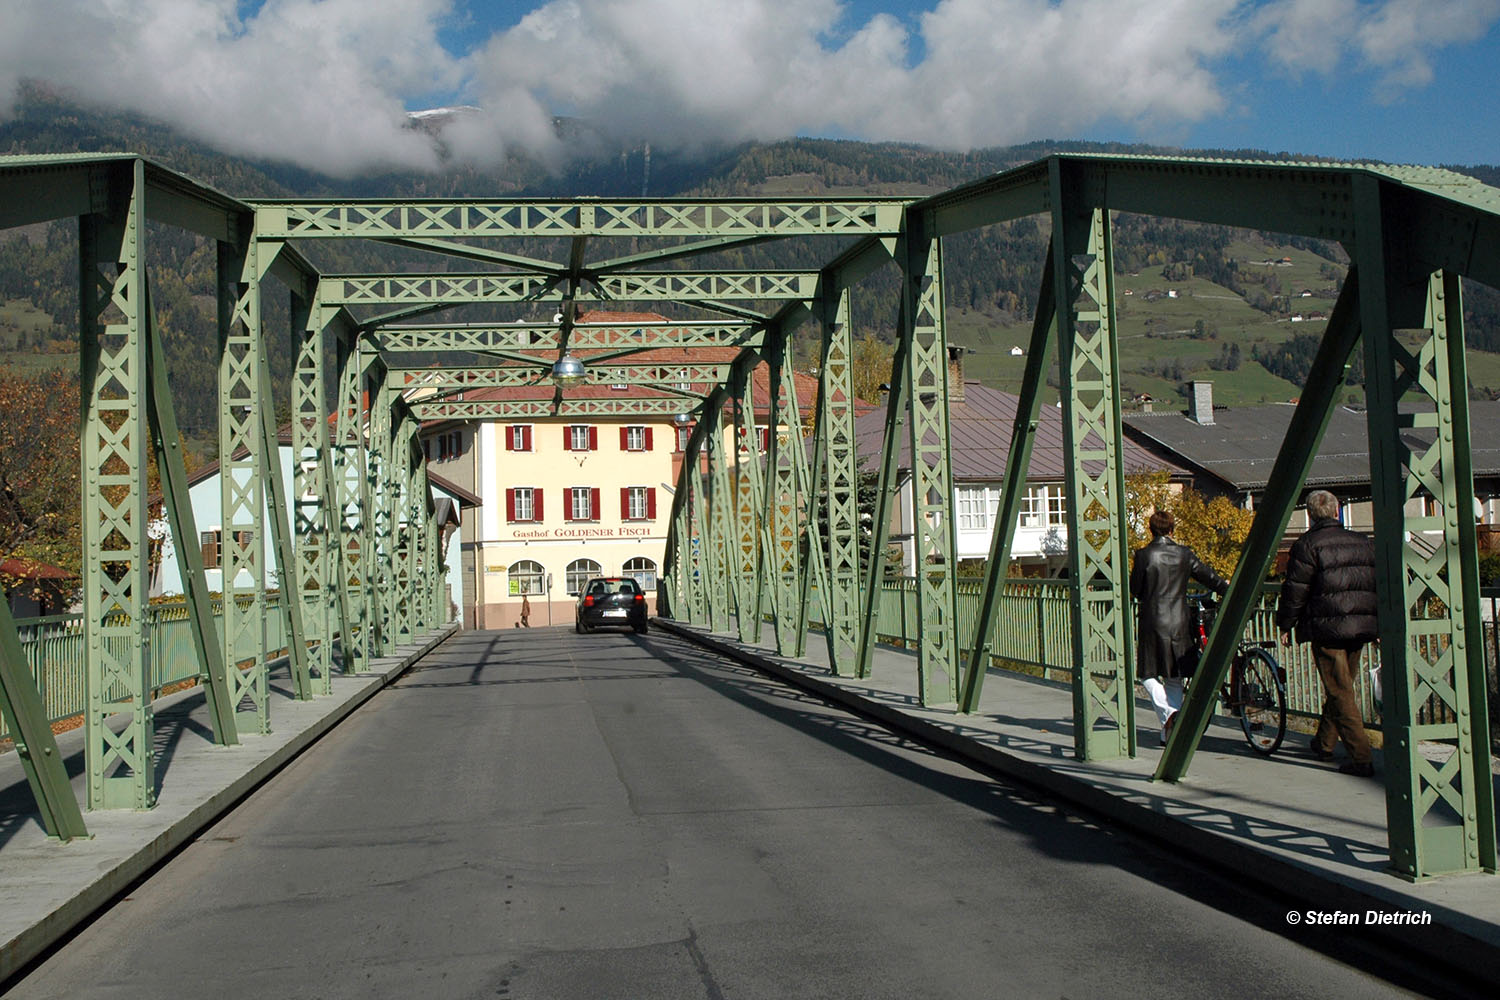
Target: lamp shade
x,y
568,370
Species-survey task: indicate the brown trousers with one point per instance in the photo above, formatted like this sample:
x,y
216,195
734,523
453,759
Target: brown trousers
x,y
1341,719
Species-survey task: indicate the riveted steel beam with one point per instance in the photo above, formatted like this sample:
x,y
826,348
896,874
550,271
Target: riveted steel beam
x,y
113,372
1440,808
481,338
1082,268
540,370
639,286
457,219
522,409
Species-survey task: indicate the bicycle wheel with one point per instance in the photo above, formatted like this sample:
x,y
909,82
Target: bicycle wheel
x,y
1262,701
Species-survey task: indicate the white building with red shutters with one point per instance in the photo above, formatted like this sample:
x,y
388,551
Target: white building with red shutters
x,y
566,499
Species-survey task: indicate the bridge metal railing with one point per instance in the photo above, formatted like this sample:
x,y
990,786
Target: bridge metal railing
x,y
54,650
1033,635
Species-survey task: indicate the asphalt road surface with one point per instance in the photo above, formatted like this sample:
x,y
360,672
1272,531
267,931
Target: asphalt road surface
x,y
538,814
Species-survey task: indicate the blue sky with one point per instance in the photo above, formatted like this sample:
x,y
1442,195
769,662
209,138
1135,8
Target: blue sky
x,y
327,83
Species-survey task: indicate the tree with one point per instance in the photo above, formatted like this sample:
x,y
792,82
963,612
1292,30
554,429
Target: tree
x,y
1213,528
39,469
871,366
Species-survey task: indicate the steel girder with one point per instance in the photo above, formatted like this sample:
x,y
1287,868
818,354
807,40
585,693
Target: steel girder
x,y
112,360
315,524
382,489
653,374
1103,676
835,480
288,219
350,486
1440,811
481,338
725,557
452,289
281,540
933,534
525,409
748,508
786,485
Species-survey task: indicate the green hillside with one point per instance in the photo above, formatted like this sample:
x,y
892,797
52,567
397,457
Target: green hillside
x,y
1195,301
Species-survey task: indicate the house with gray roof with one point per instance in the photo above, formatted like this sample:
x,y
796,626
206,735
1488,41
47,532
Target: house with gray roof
x,y
980,423
1230,452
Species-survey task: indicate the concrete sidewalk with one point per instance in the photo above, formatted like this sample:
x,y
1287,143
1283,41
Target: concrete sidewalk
x,y
1297,827
47,888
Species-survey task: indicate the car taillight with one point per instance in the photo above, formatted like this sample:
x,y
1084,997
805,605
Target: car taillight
x,y
641,598
588,601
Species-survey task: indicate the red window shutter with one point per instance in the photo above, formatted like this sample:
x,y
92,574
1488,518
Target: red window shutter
x,y
510,438
510,505
624,503
624,438
523,438
650,501
536,504
593,500
765,438
648,439
567,439
593,439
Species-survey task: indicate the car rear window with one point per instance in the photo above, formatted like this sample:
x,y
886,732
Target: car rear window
x,y
623,586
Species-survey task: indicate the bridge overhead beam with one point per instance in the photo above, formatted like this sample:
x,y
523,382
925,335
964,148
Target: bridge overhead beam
x,y
449,219
539,371
479,338
536,409
453,289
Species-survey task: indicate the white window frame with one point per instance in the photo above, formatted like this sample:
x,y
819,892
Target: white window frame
x,y
635,503
635,438
580,572
580,503
525,495
578,437
640,574
522,580
973,508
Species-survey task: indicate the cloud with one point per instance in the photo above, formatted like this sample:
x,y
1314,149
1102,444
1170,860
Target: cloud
x,y
325,83
1393,39
316,83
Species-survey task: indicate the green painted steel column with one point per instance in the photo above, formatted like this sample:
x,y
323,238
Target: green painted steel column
x,y
838,463
36,747
242,473
781,557
1440,809
1103,678
177,499
747,509
312,513
933,533
112,370
380,488
1017,464
353,508
725,562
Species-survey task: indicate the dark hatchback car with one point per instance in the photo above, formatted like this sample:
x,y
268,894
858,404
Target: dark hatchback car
x,y
611,600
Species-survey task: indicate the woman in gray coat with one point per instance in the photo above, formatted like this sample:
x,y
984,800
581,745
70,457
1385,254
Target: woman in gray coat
x,y
1165,650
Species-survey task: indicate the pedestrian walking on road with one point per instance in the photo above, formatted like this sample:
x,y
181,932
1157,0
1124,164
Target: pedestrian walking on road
x,y
525,611
1329,599
1165,652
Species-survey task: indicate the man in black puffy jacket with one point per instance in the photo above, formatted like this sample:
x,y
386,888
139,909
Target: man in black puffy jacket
x,y
1329,599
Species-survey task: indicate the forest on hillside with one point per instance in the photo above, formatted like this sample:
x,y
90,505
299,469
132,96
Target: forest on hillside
x,y
991,273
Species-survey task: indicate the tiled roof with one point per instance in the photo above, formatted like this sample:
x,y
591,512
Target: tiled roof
x,y
1240,446
979,439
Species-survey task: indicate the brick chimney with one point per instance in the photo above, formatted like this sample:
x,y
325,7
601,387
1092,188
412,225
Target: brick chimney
x,y
1201,402
955,374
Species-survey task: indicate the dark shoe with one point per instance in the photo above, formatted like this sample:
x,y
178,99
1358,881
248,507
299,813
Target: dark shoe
x,y
1318,753
1357,769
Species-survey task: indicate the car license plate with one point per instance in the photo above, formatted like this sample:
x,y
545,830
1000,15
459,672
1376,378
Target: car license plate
x,y
615,613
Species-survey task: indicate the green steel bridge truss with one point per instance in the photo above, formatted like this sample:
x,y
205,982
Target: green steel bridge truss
x,y
755,534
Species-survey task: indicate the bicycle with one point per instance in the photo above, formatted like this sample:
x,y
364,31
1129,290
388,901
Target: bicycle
x,y
1255,690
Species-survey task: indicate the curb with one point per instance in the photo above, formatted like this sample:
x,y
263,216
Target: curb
x,y
1450,934
36,939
